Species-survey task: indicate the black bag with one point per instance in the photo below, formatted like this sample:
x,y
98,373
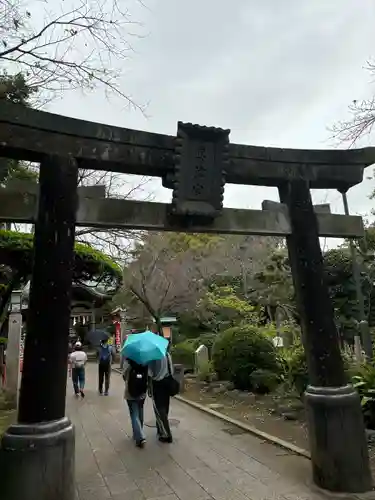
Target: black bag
x,y
172,386
137,379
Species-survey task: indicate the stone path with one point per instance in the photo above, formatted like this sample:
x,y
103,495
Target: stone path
x,y
208,459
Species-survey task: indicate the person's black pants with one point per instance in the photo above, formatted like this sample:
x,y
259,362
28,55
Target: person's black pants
x,y
104,376
161,401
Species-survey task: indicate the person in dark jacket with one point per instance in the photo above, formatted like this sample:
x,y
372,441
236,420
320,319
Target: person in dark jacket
x,y
104,367
159,371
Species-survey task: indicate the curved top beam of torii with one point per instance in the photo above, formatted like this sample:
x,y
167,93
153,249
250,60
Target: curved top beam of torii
x,y
29,134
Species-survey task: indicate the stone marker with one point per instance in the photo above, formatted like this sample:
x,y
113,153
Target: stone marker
x,y
13,354
201,357
278,341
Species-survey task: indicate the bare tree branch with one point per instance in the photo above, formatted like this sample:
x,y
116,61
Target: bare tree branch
x,y
78,45
115,242
362,119
169,275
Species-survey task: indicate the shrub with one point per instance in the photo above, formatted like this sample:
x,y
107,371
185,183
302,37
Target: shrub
x,y
183,353
364,382
241,350
264,381
207,339
294,366
293,362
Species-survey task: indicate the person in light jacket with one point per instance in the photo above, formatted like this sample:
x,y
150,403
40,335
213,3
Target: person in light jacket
x,y
77,362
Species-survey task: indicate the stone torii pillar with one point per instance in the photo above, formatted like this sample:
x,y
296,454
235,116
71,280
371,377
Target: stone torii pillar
x,y
335,422
37,453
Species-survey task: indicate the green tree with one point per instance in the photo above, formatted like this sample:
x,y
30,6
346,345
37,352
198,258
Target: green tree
x,y
14,88
91,267
222,308
171,273
273,286
342,288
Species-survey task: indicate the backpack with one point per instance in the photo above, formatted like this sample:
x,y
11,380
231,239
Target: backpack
x,y
137,379
171,384
105,354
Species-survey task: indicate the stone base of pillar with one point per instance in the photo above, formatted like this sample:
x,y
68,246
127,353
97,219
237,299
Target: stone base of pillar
x,y
338,441
37,461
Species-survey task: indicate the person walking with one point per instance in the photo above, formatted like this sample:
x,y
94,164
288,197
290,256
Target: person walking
x,y
161,374
136,378
105,362
77,362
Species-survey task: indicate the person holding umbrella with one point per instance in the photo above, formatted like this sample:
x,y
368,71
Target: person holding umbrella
x,y
150,349
163,386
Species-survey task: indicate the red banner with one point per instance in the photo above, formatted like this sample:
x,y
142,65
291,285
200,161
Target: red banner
x,y
117,335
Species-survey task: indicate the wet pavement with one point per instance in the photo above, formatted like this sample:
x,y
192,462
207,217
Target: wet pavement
x,y
208,459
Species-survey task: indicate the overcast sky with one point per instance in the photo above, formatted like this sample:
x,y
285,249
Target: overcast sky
x,y
277,73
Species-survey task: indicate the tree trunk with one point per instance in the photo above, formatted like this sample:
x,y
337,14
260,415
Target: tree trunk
x,y
159,325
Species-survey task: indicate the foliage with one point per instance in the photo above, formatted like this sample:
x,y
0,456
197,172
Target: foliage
x,y
14,88
222,308
294,367
21,171
292,361
342,288
91,264
241,350
189,326
364,382
273,285
189,275
264,381
288,330
207,339
91,267
16,251
167,272
183,353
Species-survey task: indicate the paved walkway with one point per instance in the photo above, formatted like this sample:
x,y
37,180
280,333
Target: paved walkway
x,y
208,459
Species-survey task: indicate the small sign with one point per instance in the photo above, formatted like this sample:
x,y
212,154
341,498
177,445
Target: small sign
x,y
278,341
117,335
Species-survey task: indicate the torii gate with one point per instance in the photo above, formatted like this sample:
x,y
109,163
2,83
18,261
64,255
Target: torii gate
x,y
38,451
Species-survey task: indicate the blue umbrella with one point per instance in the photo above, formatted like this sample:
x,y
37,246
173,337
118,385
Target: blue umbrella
x,y
144,347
